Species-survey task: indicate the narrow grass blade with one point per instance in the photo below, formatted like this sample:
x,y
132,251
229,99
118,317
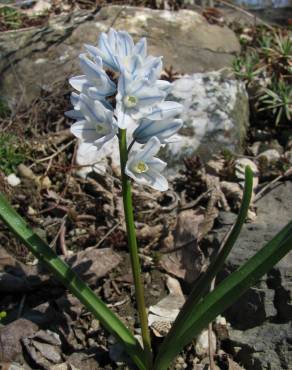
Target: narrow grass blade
x,y
71,280
227,292
202,285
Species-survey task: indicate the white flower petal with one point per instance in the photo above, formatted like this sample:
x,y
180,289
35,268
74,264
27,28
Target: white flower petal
x,y
161,129
156,180
156,164
74,114
150,149
125,44
164,110
141,48
84,131
79,83
106,52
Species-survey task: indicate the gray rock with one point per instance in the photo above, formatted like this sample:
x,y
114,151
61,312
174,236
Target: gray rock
x,y
264,312
38,57
216,115
267,347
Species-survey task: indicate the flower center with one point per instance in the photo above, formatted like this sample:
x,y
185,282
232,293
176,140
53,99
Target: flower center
x,y
130,101
100,129
141,167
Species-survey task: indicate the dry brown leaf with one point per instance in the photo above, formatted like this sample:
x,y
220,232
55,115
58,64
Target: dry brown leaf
x,y
92,264
183,257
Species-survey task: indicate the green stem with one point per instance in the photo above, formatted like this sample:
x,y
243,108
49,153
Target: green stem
x,y
132,241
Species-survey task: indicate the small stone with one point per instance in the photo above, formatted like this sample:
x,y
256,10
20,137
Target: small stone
x,y
270,155
25,172
13,180
255,148
221,320
288,156
202,343
31,211
62,366
44,182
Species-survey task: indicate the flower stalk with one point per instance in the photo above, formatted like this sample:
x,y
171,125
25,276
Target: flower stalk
x,y
133,249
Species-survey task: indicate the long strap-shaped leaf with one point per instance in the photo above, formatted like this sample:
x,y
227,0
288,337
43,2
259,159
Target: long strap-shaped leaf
x,y
72,281
227,292
201,287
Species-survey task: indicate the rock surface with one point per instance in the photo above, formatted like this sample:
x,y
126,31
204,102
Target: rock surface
x,y
261,319
216,115
39,57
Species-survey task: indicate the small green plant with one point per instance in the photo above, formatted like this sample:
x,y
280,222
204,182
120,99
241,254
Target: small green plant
x,y
10,17
283,46
278,99
12,153
247,68
267,59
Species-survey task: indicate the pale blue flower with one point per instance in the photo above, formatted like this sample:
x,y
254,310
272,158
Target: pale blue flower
x,y
95,82
146,169
117,50
135,99
95,124
119,53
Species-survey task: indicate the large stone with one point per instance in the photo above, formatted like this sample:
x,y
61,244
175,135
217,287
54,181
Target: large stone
x,y
216,115
261,318
38,57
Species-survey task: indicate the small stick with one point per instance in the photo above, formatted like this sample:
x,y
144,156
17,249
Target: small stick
x,y
62,238
21,305
263,190
226,3
55,153
106,235
196,201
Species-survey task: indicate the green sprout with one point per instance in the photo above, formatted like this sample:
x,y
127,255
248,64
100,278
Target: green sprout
x,y
283,46
247,68
11,153
278,99
10,17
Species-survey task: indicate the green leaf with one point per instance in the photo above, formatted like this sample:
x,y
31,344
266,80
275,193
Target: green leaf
x,y
227,292
72,281
202,286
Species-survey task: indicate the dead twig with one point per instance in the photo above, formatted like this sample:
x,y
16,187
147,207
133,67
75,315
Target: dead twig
x,y
106,235
196,201
259,195
62,234
54,154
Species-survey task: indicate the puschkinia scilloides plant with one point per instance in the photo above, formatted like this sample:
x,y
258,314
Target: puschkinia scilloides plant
x,y
120,97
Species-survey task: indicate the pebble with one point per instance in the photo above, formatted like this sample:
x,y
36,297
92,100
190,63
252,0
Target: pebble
x,y
202,343
25,172
271,155
13,180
